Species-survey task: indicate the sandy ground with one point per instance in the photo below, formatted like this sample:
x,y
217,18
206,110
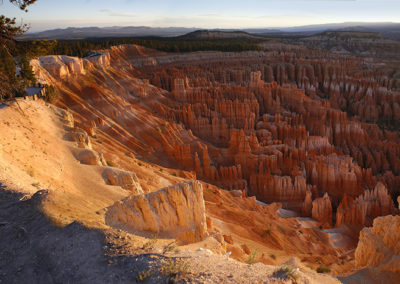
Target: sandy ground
x,y
32,248
35,156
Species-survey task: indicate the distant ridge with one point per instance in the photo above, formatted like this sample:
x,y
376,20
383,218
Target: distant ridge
x,y
389,30
219,34
97,32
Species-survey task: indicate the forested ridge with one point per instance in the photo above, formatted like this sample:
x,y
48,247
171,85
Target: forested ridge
x,y
179,44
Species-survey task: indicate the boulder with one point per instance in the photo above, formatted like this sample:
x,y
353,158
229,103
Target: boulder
x,y
124,179
90,157
79,136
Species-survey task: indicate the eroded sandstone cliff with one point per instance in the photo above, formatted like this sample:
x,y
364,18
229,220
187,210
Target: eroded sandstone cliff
x,y
175,212
379,245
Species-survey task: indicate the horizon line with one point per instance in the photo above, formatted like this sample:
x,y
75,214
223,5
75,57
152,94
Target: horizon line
x,y
217,28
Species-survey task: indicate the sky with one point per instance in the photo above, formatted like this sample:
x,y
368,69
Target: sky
x,y
51,14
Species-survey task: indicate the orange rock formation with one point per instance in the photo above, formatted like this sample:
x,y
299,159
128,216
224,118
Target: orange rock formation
x,y
177,211
280,125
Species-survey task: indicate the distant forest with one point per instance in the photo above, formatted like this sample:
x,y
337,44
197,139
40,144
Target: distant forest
x,y
83,47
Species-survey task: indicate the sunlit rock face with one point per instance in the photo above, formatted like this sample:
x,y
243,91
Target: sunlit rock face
x,y
59,66
99,59
379,245
176,212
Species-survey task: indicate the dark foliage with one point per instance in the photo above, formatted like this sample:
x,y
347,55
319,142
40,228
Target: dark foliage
x,y
8,31
82,48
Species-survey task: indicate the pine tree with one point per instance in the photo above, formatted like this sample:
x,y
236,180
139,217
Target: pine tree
x,y
27,74
8,31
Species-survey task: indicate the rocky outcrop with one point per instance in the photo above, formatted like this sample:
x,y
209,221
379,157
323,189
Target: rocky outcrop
x,y
322,210
90,157
79,136
124,179
99,58
306,209
58,66
379,245
175,212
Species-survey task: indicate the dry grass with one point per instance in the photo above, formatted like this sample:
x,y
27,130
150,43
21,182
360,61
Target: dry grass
x,y
171,247
144,275
174,268
253,257
149,245
36,184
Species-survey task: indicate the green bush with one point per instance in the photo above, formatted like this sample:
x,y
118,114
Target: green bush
x,y
110,163
52,94
323,269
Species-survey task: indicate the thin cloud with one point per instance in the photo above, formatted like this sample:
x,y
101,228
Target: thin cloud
x,y
209,15
112,13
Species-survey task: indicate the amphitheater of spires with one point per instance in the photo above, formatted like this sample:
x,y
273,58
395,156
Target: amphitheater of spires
x,y
283,156
302,131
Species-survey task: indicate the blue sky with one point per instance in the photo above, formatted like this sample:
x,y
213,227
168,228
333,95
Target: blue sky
x,y
50,14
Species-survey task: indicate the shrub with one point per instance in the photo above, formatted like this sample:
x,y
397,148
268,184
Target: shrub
x,y
174,174
174,267
36,184
144,275
52,94
31,172
252,257
110,163
149,245
323,269
267,232
170,247
273,256
286,272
